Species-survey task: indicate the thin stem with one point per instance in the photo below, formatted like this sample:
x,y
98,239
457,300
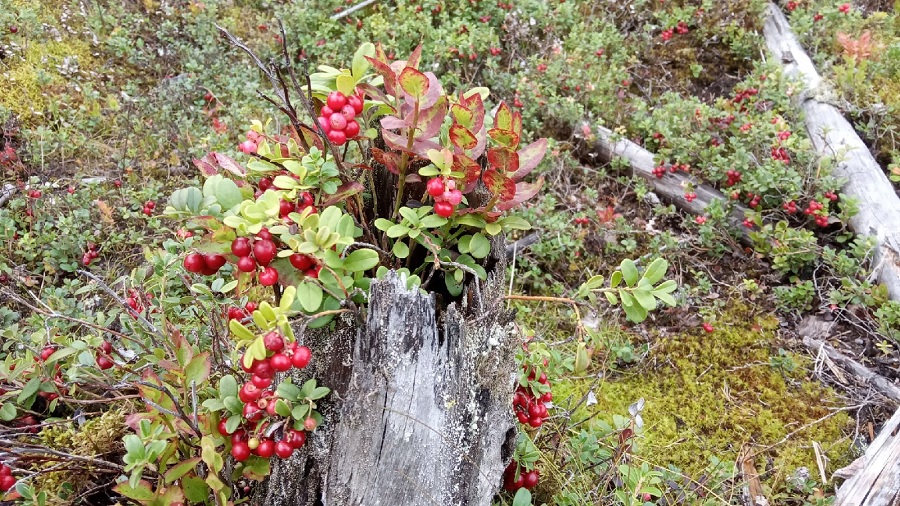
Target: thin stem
x,y
404,160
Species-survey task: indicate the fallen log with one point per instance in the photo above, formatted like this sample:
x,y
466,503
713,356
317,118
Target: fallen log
x,y
670,187
861,373
877,482
831,134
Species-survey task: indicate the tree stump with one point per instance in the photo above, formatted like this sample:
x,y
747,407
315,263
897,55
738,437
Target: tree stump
x,y
420,405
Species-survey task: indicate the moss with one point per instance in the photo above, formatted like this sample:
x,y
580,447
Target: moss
x,y
707,395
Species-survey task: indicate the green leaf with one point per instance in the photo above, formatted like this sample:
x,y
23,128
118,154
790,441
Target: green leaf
x,y
667,286
629,272
233,404
141,492
7,411
645,299
182,468
493,228
522,498
240,331
414,82
611,297
228,194
288,391
433,221
655,271
310,296
195,489
665,297
282,408
228,387
397,231
360,64
615,279
480,246
233,422
383,224
345,84
400,249
319,392
31,388
299,412
633,311
361,260
593,283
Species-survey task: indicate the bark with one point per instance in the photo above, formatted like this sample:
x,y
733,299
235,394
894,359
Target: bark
x,y
670,187
877,483
833,135
420,410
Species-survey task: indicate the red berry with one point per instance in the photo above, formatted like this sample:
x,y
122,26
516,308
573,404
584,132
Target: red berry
x,y
263,369
273,341
264,251
251,307
106,347
337,137
309,424
245,368
7,482
336,100
283,449
708,328
338,122
223,430
268,276
295,438
301,357
530,479
266,448
13,29
522,416
535,422
239,436
5,470
246,264
252,412
280,362
285,208
249,393
247,147
443,209
352,129
435,187
348,112
301,262
356,102
194,262
240,246
240,451
46,352
214,262
104,363
260,382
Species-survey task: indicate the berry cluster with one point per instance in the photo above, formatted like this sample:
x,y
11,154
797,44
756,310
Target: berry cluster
x,y
844,8
742,96
660,170
754,200
700,220
582,220
149,206
7,480
690,196
338,117
259,403
681,28
203,263
8,156
790,207
446,196
35,194
734,177
815,208
90,254
530,409
104,361
780,154
304,201
236,313
515,477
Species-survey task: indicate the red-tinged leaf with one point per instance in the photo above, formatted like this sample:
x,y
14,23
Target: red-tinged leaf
x,y
206,168
506,138
413,178
414,57
478,150
517,126
414,83
391,161
385,71
380,54
524,191
422,146
462,138
435,92
230,165
393,123
133,421
476,105
373,92
529,158
503,119
503,159
312,138
468,166
498,184
344,192
462,115
431,119
142,493
395,141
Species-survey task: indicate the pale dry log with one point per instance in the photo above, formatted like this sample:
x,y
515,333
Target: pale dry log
x,y
833,135
877,483
420,412
670,187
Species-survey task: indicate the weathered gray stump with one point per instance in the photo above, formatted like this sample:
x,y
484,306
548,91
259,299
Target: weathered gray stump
x,y
877,483
832,134
420,409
